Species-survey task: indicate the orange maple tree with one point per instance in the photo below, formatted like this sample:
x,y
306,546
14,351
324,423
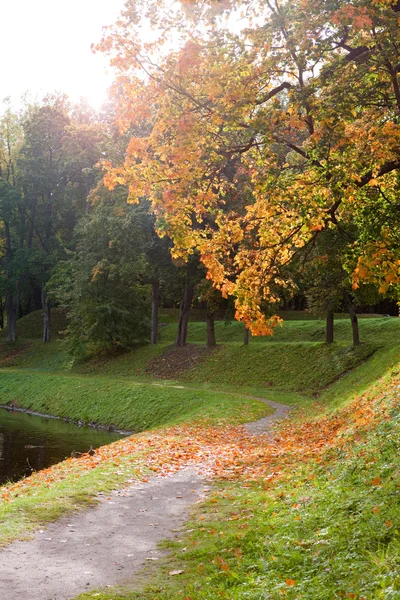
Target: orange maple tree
x,y
269,121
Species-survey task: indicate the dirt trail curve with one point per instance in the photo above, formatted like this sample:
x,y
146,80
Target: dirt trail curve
x,y
108,544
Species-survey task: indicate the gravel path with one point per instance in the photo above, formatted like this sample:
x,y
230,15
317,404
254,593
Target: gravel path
x,y
106,545
263,425
109,544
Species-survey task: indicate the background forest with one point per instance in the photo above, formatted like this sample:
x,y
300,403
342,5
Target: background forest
x,y
266,157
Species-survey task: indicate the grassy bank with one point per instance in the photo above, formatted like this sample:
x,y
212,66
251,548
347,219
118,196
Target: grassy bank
x,y
378,330
292,367
121,403
314,514
322,523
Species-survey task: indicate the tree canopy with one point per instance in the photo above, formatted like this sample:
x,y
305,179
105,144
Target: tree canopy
x,y
268,122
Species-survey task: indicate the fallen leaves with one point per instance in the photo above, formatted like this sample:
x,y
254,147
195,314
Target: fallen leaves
x,y
224,452
176,572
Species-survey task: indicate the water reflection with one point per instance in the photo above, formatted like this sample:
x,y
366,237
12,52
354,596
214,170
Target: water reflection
x,y
29,443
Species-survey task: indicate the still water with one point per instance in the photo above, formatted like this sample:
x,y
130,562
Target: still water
x,y
29,443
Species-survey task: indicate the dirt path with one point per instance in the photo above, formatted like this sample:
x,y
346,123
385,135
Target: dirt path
x,y
109,544
262,426
106,545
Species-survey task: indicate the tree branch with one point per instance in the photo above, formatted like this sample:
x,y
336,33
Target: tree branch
x,y
283,86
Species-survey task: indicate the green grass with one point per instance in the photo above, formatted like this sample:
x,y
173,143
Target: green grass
x,y
330,529
381,330
171,315
341,544
122,403
301,367
31,326
287,371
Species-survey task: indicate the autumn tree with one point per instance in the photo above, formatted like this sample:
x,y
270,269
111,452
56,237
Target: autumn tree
x,y
302,98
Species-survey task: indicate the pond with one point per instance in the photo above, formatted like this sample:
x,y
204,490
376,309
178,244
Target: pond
x,y
30,443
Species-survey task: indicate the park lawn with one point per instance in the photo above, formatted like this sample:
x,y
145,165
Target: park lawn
x,y
121,390
322,522
293,527
299,367
122,403
376,330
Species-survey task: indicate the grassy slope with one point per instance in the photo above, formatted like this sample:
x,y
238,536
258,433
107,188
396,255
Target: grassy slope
x,y
290,367
122,403
379,330
346,541
325,527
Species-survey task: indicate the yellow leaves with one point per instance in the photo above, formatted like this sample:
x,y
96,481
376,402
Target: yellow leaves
x,y
379,264
189,56
96,272
218,141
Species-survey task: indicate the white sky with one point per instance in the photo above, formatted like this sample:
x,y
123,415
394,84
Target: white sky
x,y
45,47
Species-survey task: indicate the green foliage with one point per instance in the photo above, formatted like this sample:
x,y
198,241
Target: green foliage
x,y
325,279
102,282
46,170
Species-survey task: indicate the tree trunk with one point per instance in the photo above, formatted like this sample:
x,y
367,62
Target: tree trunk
x,y
329,327
46,315
11,312
211,341
354,320
246,336
184,312
155,287
1,314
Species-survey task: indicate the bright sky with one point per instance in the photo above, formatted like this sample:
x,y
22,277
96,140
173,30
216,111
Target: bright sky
x,y
45,47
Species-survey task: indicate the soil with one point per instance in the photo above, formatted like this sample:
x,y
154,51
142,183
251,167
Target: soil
x,y
176,360
9,352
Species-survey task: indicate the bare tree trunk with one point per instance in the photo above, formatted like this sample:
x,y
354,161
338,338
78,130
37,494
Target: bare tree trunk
x,y
11,313
246,336
45,314
184,312
329,334
354,320
1,314
155,287
211,340
11,296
